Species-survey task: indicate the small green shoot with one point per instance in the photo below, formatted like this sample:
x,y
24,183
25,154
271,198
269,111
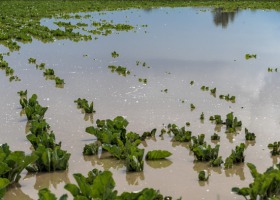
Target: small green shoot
x,y
249,56
114,54
202,176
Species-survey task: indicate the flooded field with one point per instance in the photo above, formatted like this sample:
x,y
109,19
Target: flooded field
x,y
170,48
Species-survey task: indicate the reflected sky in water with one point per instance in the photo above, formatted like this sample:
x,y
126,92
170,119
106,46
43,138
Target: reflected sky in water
x,y
179,45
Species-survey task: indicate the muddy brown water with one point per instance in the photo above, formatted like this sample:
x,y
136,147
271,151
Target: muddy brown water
x,y
179,45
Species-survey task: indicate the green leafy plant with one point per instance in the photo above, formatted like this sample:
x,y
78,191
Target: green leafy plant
x,y
202,176
264,186
206,152
41,66
216,162
236,156
217,119
157,154
192,82
46,194
114,54
192,106
249,56
213,91
59,81
275,146
146,134
3,185
92,148
22,93
134,160
83,104
98,185
232,123
12,163
249,136
49,72
215,136
31,60
120,70
49,159
201,116
180,134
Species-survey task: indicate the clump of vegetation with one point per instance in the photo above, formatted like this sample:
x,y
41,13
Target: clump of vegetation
x,y
217,119
213,91
99,185
148,134
192,82
49,72
83,104
114,54
22,93
165,90
50,156
204,88
249,136
264,186
120,70
228,98
216,162
14,78
192,107
143,80
236,156
205,152
232,123
202,176
275,146
32,60
180,134
40,66
215,136
13,163
59,81
249,56
201,116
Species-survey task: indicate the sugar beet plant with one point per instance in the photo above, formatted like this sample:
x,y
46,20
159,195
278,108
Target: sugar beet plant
x,y
50,156
84,105
100,185
264,186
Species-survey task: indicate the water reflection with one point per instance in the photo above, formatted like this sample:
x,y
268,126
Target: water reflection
x,y
105,161
222,18
89,117
236,170
15,192
157,164
45,180
133,178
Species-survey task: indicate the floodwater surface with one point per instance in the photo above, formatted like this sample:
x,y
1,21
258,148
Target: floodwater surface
x,y
178,45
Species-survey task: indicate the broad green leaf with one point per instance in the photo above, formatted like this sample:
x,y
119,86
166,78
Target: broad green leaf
x,y
157,154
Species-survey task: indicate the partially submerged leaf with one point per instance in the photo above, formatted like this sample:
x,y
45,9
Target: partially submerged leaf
x,y
157,154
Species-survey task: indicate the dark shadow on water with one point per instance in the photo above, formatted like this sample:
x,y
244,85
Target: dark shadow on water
x,y
223,18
